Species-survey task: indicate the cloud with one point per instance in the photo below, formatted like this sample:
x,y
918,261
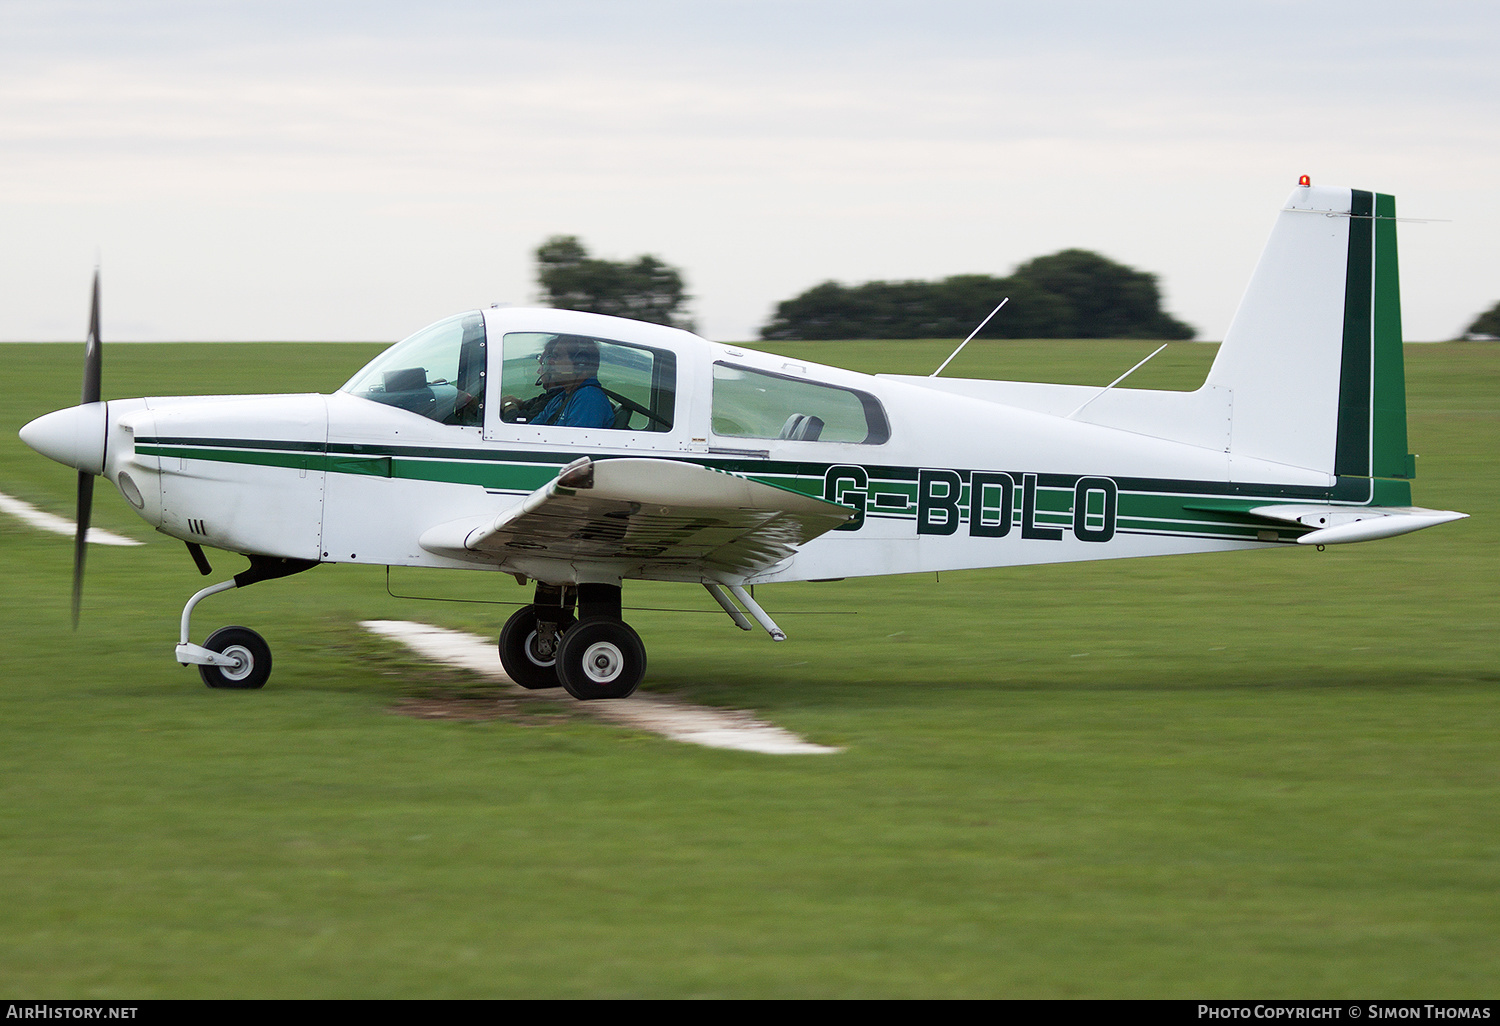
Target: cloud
x,y
762,145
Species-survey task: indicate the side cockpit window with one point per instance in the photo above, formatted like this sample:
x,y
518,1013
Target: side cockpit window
x,y
438,373
758,404
580,381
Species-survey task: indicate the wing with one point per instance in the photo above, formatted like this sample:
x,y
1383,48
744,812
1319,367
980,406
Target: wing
x,y
645,514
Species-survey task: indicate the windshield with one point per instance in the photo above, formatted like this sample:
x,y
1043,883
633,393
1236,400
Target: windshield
x,y
437,373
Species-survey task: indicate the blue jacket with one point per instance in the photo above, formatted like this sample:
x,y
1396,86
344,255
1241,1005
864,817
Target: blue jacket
x,y
585,406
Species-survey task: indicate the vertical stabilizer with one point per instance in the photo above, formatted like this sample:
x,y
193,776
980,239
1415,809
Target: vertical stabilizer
x,y
1313,357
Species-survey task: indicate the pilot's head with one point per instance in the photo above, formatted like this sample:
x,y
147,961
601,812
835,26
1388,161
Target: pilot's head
x,y
567,361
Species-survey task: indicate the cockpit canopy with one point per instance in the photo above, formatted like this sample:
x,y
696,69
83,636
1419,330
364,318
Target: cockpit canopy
x,y
579,379
438,373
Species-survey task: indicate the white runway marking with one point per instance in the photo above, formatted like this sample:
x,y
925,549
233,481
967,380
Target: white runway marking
x,y
691,724
57,525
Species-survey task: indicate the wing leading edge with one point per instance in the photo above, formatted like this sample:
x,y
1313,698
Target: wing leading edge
x,y
645,515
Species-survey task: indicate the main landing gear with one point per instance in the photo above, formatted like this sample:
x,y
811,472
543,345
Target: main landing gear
x,y
595,654
233,657
592,655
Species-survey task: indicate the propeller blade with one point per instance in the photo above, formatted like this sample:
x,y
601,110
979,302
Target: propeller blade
x,y
93,353
80,538
93,359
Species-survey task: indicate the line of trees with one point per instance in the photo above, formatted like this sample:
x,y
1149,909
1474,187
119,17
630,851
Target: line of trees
x,y
645,289
1486,324
1070,294
1073,293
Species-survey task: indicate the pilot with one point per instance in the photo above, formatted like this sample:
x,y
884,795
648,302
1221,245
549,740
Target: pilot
x,y
573,397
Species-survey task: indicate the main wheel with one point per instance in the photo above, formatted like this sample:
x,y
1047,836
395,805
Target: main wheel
x,y
251,655
526,656
601,658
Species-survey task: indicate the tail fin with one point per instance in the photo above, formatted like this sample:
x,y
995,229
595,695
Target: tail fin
x,y
1313,357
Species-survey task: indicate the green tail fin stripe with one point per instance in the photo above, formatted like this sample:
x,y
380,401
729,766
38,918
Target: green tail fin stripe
x,y
1352,450
1388,456
1372,382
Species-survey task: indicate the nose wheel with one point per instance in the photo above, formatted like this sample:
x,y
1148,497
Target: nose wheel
x,y
249,659
233,657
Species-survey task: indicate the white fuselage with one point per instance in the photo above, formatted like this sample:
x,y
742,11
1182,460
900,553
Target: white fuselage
x,y
339,478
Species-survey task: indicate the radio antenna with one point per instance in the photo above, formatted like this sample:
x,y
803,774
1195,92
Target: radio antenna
x,y
1113,383
969,339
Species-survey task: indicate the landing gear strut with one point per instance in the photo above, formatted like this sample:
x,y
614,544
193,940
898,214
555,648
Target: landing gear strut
x,y
234,657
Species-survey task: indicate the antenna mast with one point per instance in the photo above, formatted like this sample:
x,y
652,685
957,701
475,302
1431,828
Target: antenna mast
x,y
1113,383
969,339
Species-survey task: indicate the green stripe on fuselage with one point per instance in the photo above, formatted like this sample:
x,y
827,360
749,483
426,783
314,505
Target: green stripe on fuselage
x,y
1146,505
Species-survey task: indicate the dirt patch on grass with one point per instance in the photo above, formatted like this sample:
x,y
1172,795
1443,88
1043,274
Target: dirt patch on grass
x,y
473,655
472,705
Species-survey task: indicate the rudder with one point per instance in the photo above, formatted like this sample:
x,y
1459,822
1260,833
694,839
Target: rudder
x,y
1313,356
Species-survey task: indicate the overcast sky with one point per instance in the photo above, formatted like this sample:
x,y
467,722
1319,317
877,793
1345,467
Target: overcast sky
x,y
307,170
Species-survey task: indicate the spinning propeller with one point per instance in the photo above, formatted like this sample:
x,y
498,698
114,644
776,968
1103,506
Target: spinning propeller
x,y
93,359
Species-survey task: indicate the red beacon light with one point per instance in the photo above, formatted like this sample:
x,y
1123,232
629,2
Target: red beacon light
x,y
1304,181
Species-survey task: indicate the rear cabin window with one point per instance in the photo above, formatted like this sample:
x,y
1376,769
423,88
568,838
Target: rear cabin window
x,y
757,404
582,381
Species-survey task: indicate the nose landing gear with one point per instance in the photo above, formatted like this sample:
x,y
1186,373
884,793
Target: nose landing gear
x,y
234,657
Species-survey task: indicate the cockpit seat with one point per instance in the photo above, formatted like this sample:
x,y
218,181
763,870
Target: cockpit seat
x,y
407,389
802,427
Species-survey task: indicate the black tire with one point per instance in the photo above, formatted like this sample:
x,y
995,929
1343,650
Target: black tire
x,y
244,645
601,657
518,653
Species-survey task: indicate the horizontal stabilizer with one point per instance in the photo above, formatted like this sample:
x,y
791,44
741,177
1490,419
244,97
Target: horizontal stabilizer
x,y
1338,525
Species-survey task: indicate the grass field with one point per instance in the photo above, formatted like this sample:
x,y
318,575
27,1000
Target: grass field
x,y
1270,774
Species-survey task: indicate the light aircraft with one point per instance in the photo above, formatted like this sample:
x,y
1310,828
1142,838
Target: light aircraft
x,y
716,465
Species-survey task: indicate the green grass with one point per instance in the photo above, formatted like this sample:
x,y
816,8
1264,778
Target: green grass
x,y
1257,774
